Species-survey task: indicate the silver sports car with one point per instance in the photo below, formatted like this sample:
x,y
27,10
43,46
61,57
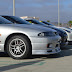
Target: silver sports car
x,y
22,40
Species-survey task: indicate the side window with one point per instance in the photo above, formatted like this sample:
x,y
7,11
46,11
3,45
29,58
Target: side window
x,y
8,18
29,21
34,22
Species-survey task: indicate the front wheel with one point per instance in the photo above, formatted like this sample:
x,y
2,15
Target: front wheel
x,y
18,47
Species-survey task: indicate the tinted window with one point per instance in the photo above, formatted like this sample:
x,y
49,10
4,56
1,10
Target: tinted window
x,y
4,21
47,23
36,22
15,19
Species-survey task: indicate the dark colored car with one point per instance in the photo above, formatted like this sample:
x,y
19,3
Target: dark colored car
x,y
61,32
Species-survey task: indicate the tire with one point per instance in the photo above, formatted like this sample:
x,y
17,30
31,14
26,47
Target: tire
x,y
19,44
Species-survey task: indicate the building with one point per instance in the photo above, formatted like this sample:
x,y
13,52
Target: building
x,y
23,17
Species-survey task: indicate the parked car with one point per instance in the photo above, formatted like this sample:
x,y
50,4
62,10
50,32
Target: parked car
x,y
69,33
63,28
60,31
67,30
23,40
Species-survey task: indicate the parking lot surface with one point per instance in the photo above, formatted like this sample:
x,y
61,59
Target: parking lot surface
x,y
61,62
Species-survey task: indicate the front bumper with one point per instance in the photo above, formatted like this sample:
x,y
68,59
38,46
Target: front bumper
x,y
46,52
64,44
69,42
39,45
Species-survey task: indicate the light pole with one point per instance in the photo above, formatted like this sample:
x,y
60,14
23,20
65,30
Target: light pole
x,y
58,15
13,7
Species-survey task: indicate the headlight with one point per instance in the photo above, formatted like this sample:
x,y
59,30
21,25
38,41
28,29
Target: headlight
x,y
47,34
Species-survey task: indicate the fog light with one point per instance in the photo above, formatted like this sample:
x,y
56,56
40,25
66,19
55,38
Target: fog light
x,y
49,46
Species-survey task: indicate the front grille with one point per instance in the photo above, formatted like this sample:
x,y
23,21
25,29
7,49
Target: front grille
x,y
49,51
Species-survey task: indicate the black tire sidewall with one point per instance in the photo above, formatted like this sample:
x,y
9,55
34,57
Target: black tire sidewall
x,y
28,52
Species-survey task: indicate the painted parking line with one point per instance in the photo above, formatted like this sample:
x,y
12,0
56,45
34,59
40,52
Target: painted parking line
x,y
15,62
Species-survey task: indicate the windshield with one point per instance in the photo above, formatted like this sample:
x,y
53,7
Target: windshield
x,y
4,21
35,22
47,23
16,20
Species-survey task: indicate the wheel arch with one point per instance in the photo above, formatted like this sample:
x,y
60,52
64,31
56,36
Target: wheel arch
x,y
13,35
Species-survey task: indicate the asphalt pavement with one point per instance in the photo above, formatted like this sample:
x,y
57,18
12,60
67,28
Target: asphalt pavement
x,y
61,62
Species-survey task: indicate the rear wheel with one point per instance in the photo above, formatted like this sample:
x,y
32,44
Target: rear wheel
x,y
19,47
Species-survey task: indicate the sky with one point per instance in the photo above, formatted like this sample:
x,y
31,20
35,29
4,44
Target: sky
x,y
44,9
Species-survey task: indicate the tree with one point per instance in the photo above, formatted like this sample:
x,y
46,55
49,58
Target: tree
x,y
70,23
60,24
48,20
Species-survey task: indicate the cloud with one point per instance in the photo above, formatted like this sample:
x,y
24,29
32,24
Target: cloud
x,y
45,9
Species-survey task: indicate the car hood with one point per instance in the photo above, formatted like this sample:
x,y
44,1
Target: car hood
x,y
65,28
56,28
35,27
